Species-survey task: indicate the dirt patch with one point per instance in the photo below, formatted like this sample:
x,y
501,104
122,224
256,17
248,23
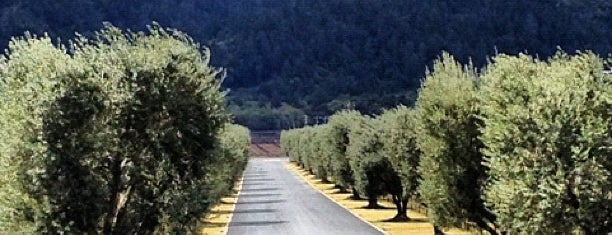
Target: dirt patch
x,y
265,150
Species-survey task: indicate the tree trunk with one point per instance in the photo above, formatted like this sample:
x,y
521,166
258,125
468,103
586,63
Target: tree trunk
x,y
119,196
401,204
438,231
373,203
355,194
325,180
341,189
588,231
124,225
482,224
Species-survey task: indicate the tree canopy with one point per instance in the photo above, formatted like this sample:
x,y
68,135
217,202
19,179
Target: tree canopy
x,y
548,143
126,133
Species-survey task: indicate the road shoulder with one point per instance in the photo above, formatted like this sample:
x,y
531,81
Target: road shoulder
x,y
217,221
375,217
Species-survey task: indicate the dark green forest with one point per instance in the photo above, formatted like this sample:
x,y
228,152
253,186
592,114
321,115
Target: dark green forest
x,y
288,58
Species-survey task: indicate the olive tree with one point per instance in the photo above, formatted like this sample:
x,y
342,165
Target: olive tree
x,y
548,143
451,166
232,153
336,148
373,174
288,144
400,148
295,144
304,150
320,159
120,135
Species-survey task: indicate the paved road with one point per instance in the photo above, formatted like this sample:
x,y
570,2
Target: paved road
x,y
275,200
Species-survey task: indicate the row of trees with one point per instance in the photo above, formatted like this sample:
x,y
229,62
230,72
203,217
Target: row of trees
x,y
122,133
522,146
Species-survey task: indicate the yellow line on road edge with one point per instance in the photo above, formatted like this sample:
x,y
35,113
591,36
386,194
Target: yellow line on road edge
x,y
292,168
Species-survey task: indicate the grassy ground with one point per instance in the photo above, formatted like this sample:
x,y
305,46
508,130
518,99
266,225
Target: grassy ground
x,y
217,221
418,226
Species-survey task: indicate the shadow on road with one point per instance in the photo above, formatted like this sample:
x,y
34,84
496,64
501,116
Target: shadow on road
x,y
255,177
255,174
247,211
250,195
256,223
259,179
259,189
262,202
249,184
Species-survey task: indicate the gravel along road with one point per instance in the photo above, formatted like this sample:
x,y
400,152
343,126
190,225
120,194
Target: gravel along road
x,y
274,200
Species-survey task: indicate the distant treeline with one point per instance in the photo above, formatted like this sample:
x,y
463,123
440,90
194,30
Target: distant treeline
x,y
320,56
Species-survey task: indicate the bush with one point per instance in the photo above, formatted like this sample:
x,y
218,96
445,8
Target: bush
x,y
548,143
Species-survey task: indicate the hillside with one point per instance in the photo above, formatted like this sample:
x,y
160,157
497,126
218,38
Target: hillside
x,y
319,56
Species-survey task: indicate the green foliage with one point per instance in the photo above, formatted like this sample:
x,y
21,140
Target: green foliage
x,y
320,158
349,149
400,146
370,169
288,141
521,149
337,144
126,134
322,149
29,81
398,134
363,151
304,147
447,135
231,159
292,144
265,117
548,143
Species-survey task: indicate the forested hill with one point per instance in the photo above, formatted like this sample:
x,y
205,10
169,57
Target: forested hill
x,y
319,55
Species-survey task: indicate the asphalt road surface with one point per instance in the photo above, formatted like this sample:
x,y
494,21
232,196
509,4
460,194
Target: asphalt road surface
x,y
274,200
